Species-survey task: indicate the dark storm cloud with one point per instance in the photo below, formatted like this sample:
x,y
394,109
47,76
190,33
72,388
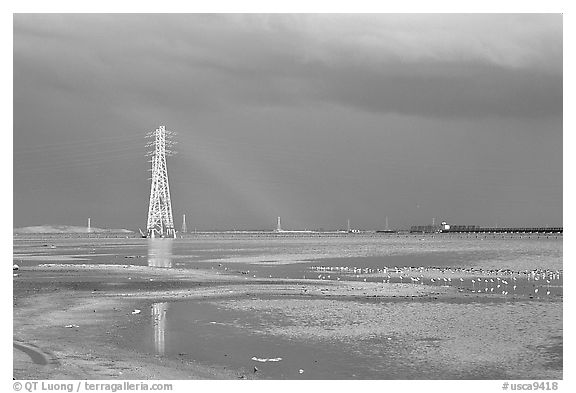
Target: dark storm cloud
x,y
411,65
311,117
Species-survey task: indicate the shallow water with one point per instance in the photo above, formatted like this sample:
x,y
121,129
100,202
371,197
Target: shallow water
x,y
510,325
332,339
325,257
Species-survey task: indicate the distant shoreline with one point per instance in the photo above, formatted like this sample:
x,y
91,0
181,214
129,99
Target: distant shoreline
x,y
66,229
273,234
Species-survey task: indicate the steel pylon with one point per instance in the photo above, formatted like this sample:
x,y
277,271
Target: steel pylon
x,y
160,222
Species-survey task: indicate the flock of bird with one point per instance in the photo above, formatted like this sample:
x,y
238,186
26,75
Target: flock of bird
x,y
502,281
533,282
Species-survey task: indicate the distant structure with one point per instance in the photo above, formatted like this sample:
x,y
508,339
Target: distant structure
x,y
447,228
350,230
386,229
160,222
278,226
444,227
184,229
478,229
89,228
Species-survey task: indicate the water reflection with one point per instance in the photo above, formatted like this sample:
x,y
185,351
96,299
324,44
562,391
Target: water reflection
x,y
159,323
160,252
159,255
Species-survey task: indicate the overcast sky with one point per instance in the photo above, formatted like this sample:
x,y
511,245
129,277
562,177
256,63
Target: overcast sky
x,y
314,118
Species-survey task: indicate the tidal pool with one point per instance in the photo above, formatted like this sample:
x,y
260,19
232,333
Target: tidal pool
x,y
335,339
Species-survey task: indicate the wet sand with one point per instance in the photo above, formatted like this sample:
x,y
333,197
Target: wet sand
x,y
97,301
77,320
97,343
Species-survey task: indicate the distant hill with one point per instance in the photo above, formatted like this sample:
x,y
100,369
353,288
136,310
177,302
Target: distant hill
x,y
66,229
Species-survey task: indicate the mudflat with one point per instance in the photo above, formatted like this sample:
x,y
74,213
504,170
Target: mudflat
x,y
79,320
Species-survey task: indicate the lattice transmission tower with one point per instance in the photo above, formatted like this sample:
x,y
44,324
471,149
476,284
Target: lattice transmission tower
x,y
160,222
